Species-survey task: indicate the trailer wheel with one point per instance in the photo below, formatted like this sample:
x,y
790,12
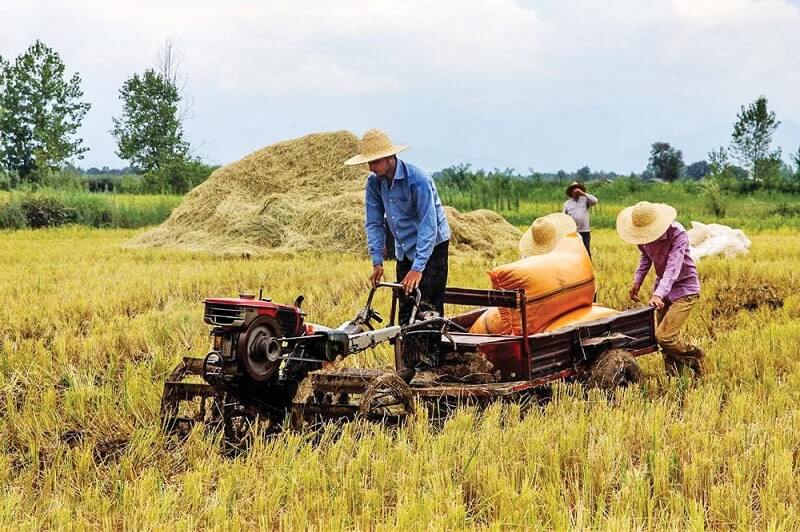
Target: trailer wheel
x,y
614,368
387,398
184,403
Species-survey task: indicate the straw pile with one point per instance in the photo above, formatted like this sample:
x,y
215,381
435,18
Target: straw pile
x,y
297,195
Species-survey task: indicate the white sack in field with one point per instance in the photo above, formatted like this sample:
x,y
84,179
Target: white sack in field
x,y
706,240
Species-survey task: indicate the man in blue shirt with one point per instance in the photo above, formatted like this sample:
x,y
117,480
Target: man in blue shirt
x,y
406,198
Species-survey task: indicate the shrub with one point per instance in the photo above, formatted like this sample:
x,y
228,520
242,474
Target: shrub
x,y
130,184
101,183
63,179
49,208
5,180
123,184
12,216
93,210
176,177
626,185
47,211
786,210
715,198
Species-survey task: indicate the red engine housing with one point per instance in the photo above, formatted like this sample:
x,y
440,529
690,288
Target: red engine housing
x,y
240,312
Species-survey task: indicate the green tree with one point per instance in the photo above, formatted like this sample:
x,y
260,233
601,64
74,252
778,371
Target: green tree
x,y
752,138
728,176
795,179
40,113
666,162
458,176
501,185
718,160
178,176
149,133
720,179
698,170
583,174
3,111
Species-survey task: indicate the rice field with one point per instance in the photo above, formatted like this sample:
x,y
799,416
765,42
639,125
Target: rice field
x,y
89,330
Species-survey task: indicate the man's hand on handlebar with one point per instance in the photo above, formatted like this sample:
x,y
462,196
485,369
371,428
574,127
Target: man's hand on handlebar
x,y
411,281
377,274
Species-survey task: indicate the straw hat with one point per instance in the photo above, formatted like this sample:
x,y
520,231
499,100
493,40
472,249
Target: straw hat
x,y
644,222
575,184
375,144
544,233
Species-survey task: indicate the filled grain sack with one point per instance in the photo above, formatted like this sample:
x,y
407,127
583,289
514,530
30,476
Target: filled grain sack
x,y
489,322
580,315
554,284
708,240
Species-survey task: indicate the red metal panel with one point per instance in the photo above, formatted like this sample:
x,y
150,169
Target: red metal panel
x,y
554,355
526,346
507,357
248,303
271,312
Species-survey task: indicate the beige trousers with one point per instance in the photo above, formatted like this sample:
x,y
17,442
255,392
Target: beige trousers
x,y
677,352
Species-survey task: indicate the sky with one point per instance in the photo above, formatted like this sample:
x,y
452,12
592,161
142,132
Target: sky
x,y
547,85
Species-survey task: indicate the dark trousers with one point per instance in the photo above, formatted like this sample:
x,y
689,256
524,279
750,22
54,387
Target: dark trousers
x,y
388,247
586,236
432,286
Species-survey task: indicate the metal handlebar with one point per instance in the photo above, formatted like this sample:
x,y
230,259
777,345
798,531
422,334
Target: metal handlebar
x,y
417,297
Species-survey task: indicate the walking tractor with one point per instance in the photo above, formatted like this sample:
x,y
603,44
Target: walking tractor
x,y
268,365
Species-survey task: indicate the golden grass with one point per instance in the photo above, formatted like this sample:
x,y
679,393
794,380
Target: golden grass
x,y
297,195
88,332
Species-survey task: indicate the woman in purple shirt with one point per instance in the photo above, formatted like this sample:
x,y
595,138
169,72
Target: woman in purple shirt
x,y
664,244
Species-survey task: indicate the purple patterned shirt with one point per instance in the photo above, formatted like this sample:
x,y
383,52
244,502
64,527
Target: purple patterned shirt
x,y
675,269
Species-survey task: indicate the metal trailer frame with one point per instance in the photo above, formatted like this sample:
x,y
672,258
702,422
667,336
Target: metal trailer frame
x,y
525,362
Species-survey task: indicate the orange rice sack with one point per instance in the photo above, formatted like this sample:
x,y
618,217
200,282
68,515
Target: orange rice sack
x,y
554,283
489,322
580,315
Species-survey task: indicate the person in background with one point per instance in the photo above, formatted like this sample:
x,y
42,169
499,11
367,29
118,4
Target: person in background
x,y
664,245
578,206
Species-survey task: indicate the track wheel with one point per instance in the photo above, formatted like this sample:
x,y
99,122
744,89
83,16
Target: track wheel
x,y
388,399
614,368
186,402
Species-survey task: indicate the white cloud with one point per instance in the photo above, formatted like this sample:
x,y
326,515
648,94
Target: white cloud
x,y
544,82
368,46
346,46
707,13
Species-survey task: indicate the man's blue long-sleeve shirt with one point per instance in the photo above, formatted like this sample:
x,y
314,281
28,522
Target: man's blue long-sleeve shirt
x,y
414,212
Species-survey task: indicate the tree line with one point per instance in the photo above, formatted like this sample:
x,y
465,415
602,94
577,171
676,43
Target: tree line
x,y
749,163
42,109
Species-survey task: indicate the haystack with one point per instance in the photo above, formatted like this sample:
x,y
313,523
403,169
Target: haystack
x,y
297,195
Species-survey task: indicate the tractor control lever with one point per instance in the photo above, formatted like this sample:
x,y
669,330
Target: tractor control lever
x,y
417,295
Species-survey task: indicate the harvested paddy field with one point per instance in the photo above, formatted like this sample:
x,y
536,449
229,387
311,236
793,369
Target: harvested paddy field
x,y
89,330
